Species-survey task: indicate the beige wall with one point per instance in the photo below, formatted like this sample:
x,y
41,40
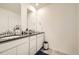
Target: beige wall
x,y
59,21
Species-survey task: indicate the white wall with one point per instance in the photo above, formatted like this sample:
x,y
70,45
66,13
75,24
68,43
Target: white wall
x,y
59,21
8,20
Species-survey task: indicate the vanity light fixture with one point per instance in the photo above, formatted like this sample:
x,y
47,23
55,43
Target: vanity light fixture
x,y
36,4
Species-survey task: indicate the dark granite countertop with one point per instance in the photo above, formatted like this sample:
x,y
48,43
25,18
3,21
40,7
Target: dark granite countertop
x,y
17,37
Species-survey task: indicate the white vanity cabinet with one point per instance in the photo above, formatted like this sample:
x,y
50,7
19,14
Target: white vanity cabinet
x,y
32,45
16,47
23,49
9,52
22,46
40,40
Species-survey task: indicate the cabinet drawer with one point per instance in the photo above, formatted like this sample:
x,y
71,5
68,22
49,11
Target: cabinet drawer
x,y
11,44
9,52
23,49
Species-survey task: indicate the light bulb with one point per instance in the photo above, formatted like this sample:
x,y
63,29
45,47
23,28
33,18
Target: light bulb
x,y
36,4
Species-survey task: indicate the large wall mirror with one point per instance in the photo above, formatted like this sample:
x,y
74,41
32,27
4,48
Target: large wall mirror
x,y
31,18
10,16
22,14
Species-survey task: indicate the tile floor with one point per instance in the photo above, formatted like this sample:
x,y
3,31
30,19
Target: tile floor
x,y
53,52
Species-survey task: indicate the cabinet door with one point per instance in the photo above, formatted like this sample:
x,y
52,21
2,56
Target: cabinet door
x,y
32,45
40,40
32,51
23,49
9,52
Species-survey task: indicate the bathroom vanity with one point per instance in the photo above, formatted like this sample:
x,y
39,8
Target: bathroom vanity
x,y
22,45
11,43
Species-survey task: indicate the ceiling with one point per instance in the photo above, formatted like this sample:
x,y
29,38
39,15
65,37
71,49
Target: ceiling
x,y
15,7
40,5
